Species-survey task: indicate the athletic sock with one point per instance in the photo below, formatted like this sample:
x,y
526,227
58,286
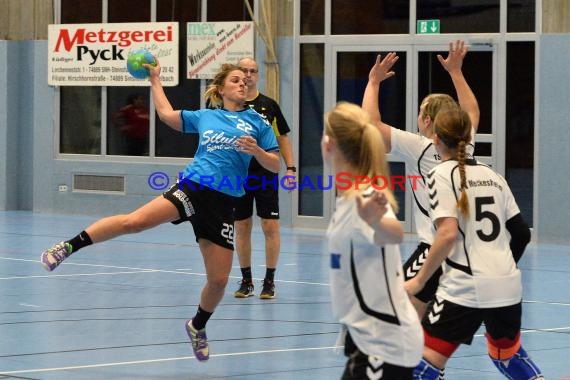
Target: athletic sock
x,y
80,241
201,318
270,274
246,273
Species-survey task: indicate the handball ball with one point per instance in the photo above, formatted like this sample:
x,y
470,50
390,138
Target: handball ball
x,y
135,62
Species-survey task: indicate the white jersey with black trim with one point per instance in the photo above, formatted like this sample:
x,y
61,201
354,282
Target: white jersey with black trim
x,y
480,271
419,154
367,289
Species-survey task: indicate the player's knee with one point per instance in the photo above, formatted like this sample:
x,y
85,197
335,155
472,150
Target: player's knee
x,y
270,227
218,282
426,371
511,359
243,226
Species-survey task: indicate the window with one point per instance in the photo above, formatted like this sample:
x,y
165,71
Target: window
x,y
312,17
478,70
519,155
126,116
358,29
521,16
80,107
464,16
128,109
371,17
311,127
168,142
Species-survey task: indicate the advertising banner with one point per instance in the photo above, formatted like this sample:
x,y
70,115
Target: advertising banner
x,y
97,54
212,43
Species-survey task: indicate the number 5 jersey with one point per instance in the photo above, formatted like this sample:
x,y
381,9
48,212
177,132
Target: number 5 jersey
x,y
480,271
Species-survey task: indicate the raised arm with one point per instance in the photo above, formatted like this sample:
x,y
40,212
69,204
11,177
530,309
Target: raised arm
x,y
163,107
370,101
453,64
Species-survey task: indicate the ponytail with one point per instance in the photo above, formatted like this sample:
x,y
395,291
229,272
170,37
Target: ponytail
x,y
462,203
360,144
373,161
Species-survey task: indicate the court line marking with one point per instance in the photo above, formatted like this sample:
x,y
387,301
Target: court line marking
x,y
131,271
535,330
74,275
547,303
134,362
29,305
149,361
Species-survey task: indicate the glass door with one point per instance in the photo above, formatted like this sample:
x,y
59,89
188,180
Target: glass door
x,y
351,66
480,71
418,73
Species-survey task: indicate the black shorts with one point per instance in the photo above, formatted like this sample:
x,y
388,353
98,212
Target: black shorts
x,y
358,364
264,190
210,212
457,324
412,267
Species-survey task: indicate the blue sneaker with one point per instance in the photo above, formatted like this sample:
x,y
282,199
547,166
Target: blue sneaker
x,y
54,256
199,341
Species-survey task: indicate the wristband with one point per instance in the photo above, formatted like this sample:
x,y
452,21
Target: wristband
x,y
292,168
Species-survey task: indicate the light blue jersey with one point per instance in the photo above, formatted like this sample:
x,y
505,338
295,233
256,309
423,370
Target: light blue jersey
x,y
218,164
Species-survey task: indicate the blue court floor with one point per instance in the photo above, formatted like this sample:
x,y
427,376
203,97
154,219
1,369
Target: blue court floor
x,y
116,310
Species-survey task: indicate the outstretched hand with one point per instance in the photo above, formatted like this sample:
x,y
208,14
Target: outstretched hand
x,y
454,60
372,208
153,70
382,68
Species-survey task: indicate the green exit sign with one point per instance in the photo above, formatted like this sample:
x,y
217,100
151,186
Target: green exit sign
x,y
427,27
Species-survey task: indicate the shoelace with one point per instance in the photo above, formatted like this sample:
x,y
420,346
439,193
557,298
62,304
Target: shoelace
x,y
200,341
58,253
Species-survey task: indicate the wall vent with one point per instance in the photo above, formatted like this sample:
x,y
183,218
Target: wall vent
x,y
98,183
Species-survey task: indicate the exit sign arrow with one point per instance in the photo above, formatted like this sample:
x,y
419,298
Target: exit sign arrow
x,y
427,27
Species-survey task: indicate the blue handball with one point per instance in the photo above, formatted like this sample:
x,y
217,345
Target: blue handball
x,y
135,62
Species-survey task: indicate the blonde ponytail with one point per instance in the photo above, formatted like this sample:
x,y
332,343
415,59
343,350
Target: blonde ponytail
x,y
361,145
463,202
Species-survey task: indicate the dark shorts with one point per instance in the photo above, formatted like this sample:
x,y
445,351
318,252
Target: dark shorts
x,y
412,267
457,324
358,364
266,196
210,212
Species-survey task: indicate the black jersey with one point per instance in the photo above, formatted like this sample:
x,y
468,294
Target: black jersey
x,y
270,110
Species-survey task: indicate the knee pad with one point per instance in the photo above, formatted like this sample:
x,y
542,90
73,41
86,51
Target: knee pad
x,y
503,348
513,361
426,371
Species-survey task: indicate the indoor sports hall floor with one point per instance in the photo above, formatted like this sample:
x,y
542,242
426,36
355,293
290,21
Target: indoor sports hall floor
x,y
117,310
